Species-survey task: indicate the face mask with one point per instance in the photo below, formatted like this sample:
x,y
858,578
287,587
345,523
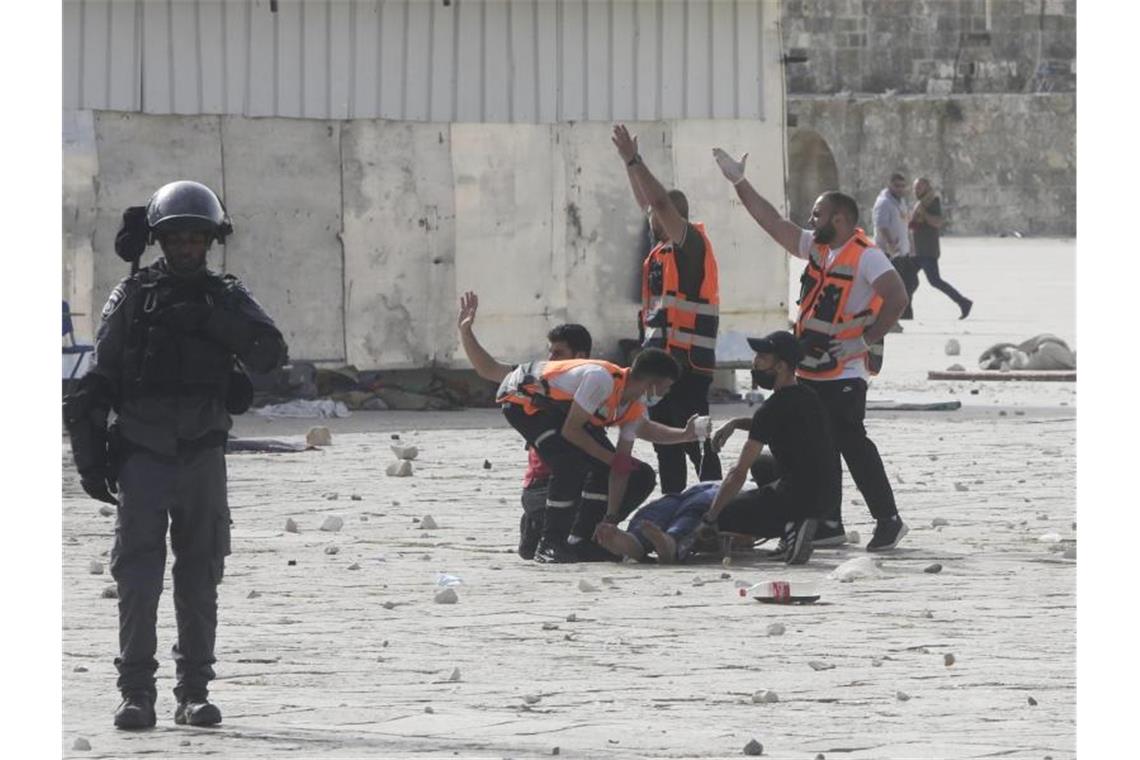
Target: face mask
x,y
824,235
764,379
651,399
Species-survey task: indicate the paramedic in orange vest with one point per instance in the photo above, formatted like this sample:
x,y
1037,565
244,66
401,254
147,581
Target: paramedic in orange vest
x,y
850,296
567,341
562,409
679,312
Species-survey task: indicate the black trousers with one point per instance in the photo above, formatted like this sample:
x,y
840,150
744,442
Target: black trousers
x,y
688,396
929,265
764,512
846,404
188,492
908,271
578,488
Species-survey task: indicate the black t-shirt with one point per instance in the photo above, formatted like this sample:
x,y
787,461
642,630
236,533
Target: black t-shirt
x,y
926,236
793,423
690,264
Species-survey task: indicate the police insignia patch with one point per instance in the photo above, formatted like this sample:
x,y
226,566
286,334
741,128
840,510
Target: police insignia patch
x,y
117,296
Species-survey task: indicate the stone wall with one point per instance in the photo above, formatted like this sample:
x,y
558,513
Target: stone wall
x,y
936,47
1002,163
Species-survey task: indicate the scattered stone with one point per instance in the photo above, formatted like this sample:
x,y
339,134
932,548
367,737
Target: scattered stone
x,y
184,743
928,614
318,436
961,487
454,675
354,566
973,391
389,605
859,567
332,524
753,747
817,665
531,699
948,659
429,523
725,576
356,497
290,525
79,669
446,596
1001,413
332,497
571,618
1032,702
253,595
110,592
332,549
1050,538
585,585
95,567
953,348
292,563
853,537
939,522
486,464
429,710
81,744
549,627
405,452
1019,413
776,629
395,436
933,568
399,469
876,662
556,751
955,368
765,696
820,756
902,696
1070,553
106,510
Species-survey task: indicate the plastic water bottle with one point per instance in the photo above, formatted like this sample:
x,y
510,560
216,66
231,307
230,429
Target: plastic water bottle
x,y
782,592
703,426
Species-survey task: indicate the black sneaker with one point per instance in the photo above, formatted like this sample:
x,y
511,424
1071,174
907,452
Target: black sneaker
x,y
554,551
530,530
588,551
197,711
797,541
136,711
888,533
829,533
965,307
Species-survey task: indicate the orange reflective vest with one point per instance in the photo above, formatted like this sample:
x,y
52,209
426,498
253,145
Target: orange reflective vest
x,y
531,386
685,324
824,316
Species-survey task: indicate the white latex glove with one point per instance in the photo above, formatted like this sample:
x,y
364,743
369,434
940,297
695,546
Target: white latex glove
x,y
845,349
732,169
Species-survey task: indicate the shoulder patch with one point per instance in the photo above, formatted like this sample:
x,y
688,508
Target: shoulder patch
x,y
118,295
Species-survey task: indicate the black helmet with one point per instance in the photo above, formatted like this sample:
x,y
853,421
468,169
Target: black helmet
x,y
185,205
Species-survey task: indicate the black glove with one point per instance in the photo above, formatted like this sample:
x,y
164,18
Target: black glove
x,y
134,235
185,317
98,488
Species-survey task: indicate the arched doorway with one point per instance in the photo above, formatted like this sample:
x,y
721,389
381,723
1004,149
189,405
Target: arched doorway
x,y
811,171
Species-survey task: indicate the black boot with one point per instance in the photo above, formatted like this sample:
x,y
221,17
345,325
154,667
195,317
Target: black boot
x,y
197,710
135,711
552,547
530,530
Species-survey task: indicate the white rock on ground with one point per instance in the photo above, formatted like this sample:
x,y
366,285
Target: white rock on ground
x,y
332,523
290,525
429,523
106,510
318,436
405,452
776,629
765,696
902,696
454,675
939,522
446,596
95,567
585,585
858,567
953,347
399,469
81,745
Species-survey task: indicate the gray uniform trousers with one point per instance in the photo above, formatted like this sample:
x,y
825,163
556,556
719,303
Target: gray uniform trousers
x,y
189,491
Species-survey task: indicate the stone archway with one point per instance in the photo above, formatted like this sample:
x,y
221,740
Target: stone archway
x,y
811,171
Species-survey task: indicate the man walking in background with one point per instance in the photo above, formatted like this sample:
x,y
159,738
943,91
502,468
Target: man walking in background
x,y
892,236
926,225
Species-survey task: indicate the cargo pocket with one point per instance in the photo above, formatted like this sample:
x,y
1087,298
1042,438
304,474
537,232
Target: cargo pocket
x,y
221,542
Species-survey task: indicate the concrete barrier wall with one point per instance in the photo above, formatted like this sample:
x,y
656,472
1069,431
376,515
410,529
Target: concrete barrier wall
x,y
358,236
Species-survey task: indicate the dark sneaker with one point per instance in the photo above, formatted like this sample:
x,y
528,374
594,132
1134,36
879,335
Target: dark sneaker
x,y
829,533
554,552
135,711
896,328
888,533
798,541
588,551
965,307
530,530
197,711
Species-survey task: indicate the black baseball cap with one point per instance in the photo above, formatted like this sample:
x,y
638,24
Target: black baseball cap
x,y
781,343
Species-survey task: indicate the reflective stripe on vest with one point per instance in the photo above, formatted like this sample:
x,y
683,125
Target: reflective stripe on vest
x,y
824,316
682,323
532,389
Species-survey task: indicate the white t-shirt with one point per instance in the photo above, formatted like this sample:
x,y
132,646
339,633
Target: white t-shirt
x,y
873,264
890,213
590,385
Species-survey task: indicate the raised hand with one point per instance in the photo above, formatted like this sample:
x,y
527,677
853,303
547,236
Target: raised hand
x,y
732,169
625,143
468,305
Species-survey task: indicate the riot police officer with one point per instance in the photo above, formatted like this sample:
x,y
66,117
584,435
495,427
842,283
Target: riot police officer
x,y
169,361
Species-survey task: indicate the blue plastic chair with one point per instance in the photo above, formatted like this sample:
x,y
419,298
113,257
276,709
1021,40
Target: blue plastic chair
x,y
72,347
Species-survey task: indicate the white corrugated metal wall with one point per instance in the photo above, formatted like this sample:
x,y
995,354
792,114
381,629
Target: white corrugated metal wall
x,y
530,61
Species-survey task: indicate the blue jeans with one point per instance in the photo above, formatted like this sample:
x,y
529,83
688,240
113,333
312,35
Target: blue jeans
x,y
677,514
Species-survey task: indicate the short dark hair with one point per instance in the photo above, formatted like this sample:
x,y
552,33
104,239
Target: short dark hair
x,y
898,177
680,202
653,362
575,336
843,203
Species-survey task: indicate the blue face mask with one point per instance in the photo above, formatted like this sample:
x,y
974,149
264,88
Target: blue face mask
x,y
651,399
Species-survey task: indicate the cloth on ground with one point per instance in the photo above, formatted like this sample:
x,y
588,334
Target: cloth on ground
x,y
305,409
1041,352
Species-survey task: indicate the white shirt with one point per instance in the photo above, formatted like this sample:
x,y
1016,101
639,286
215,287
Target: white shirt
x,y
589,385
873,264
890,213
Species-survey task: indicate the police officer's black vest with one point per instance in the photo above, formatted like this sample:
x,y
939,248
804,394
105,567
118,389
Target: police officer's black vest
x,y
159,361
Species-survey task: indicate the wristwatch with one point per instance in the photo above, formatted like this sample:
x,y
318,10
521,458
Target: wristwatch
x,y
635,160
